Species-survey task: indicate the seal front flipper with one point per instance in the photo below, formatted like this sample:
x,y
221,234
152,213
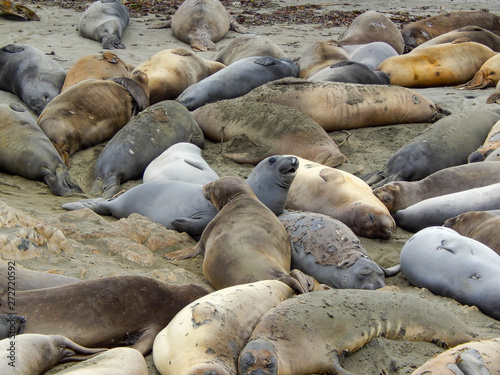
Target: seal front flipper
x,y
186,253
60,182
12,48
193,225
107,187
203,45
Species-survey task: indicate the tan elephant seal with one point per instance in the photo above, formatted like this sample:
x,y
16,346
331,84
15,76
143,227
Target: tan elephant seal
x,y
491,143
92,111
201,23
32,354
495,97
171,71
207,335
310,333
473,33
320,55
447,64
341,195
102,65
487,76
248,45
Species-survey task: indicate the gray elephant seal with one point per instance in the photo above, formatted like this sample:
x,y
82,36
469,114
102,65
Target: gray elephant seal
x,y
351,72
26,151
247,45
30,74
11,325
371,54
310,333
105,21
454,266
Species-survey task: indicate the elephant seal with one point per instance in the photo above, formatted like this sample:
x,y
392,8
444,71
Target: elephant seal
x,y
245,239
36,354
99,312
310,333
329,251
341,195
171,71
201,23
494,156
356,106
236,80
487,76
180,162
479,357
92,111
17,12
352,72
447,64
479,225
140,141
320,55
446,143
248,45
116,361
30,74
435,211
398,195
222,322
491,143
418,32
371,54
245,126
495,97
26,151
453,266
105,21
102,65
372,26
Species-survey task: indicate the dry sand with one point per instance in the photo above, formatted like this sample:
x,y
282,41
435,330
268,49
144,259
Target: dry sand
x,y
55,34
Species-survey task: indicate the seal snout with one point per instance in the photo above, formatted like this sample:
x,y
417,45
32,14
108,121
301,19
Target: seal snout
x,y
289,165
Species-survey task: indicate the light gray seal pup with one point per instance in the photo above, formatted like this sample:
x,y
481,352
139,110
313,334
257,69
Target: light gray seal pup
x,y
351,72
30,74
237,79
105,21
454,266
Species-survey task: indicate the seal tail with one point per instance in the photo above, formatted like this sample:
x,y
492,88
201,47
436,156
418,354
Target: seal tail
x,y
98,205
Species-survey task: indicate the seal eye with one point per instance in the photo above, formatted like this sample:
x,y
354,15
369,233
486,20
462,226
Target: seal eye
x,y
272,160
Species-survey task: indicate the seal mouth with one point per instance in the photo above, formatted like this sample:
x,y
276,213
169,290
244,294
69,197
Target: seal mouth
x,y
289,166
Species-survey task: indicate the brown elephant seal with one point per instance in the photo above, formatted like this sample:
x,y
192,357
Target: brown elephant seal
x,y
116,361
26,151
329,251
487,76
473,33
17,12
32,354
450,265
102,65
201,23
221,324
479,357
398,195
320,55
341,195
92,111
495,97
479,225
356,106
245,127
310,333
418,32
99,312
447,64
248,45
372,26
491,143
31,75
105,21
171,71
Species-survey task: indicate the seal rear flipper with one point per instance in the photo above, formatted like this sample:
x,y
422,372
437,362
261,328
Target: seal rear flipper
x,y
98,205
235,26
391,271
493,98
471,362
302,283
60,182
203,45
326,158
479,81
186,253
112,42
31,15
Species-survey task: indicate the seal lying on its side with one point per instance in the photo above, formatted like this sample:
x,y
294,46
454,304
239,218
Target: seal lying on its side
x,y
454,266
247,45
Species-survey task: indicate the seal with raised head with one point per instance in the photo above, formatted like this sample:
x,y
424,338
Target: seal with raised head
x,y
36,354
341,195
222,323
356,106
92,111
481,226
310,333
371,54
171,71
99,312
140,141
491,143
247,45
30,74
26,151
180,162
102,65
372,26
320,55
454,266
255,130
418,32
352,72
201,23
105,21
236,80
